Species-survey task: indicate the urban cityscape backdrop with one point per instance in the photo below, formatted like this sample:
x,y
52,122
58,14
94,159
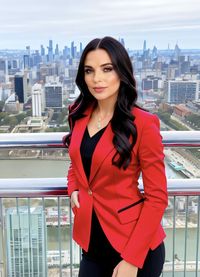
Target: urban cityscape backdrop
x,y
40,48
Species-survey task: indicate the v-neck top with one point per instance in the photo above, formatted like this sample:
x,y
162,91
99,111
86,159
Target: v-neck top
x,y
88,145
100,248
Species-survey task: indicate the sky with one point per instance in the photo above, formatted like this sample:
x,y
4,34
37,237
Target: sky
x,y
161,23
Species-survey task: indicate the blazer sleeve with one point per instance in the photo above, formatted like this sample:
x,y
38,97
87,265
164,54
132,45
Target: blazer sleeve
x,y
151,159
71,180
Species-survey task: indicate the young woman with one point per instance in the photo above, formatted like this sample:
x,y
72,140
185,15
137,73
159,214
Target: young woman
x,y
113,141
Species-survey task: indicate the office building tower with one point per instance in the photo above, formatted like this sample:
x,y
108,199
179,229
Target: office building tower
x,y
3,66
15,64
37,100
72,50
81,48
54,95
57,50
26,242
21,86
154,52
180,91
26,59
50,51
42,50
28,50
3,70
36,58
177,52
150,84
144,46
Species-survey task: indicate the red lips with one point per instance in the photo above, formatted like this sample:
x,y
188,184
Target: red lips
x,y
99,89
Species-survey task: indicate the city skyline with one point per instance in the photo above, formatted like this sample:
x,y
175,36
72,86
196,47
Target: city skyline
x,y
160,23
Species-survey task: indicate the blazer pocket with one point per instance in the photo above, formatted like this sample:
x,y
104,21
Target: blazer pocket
x,y
131,212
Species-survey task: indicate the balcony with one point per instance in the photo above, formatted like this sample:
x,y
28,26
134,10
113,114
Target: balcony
x,y
36,219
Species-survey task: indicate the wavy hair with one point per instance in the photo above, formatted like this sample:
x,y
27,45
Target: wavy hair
x,y
122,122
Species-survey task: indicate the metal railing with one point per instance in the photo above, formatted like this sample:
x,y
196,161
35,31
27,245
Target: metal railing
x,y
54,140
181,219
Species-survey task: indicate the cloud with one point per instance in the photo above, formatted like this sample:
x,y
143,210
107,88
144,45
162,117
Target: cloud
x,y
33,22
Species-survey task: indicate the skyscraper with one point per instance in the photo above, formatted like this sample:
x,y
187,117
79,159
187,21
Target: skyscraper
x,y
26,242
42,50
26,59
57,50
180,91
81,48
21,86
54,95
37,100
144,46
72,50
50,51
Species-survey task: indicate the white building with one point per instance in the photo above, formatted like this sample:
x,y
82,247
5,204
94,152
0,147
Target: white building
x,y
37,100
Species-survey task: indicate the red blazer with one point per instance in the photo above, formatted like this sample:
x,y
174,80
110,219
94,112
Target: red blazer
x,y
131,225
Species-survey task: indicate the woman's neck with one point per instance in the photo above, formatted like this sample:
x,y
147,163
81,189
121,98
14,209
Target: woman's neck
x,y
105,108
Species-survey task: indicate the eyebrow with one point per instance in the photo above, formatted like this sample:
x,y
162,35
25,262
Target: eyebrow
x,y
102,65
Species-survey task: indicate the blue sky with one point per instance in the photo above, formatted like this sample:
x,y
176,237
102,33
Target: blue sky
x,y
160,22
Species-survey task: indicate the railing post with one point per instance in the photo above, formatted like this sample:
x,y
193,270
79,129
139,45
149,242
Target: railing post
x,y
3,266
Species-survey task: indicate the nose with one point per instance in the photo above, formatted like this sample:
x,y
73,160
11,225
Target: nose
x,y
97,76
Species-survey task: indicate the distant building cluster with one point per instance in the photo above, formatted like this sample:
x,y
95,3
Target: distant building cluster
x,y
43,81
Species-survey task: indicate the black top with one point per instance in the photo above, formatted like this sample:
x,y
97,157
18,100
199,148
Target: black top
x,y
99,247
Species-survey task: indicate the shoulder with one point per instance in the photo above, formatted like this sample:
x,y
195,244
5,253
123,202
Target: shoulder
x,y
142,116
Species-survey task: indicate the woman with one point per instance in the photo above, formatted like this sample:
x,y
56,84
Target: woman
x,y
111,142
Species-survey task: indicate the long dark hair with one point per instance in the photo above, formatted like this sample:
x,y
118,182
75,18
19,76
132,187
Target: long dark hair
x,y
122,123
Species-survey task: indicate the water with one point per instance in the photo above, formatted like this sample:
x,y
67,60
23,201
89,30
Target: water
x,y
47,169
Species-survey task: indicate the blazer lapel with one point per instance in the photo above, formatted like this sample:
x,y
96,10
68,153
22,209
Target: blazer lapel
x,y
103,148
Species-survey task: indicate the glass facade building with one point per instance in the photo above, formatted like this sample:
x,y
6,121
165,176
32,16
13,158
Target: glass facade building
x,y
26,242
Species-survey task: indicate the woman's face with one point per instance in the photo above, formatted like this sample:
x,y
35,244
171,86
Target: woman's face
x,y
100,77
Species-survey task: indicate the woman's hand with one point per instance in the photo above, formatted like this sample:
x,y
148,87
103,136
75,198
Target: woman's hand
x,y
125,269
74,199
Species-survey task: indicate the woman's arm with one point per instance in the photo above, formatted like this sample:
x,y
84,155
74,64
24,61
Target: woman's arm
x,y
151,159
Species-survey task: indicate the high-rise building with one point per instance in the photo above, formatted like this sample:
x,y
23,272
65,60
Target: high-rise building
x,y
21,86
28,50
3,70
4,66
42,50
72,50
26,59
26,242
180,91
54,95
50,51
81,48
150,84
144,46
37,100
57,50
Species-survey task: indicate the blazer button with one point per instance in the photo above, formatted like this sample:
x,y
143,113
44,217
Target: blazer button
x,y
89,192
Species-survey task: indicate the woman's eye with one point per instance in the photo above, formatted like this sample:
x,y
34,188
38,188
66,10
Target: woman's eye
x,y
87,71
107,69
